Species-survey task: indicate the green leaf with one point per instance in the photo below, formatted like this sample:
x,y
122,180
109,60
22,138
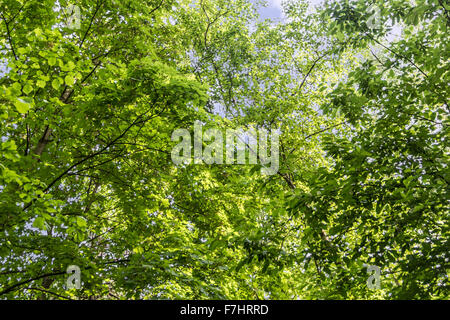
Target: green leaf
x,y
55,84
51,61
22,106
27,89
81,222
69,80
41,83
39,223
17,86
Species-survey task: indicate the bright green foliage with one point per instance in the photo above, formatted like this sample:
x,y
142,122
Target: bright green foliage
x,y
385,200
86,176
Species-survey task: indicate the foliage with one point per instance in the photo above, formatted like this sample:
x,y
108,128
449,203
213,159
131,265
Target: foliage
x,y
86,176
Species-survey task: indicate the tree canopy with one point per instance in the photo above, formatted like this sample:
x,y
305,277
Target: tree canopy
x,y
358,92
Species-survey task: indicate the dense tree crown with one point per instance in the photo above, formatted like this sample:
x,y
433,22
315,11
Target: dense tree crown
x,y
92,91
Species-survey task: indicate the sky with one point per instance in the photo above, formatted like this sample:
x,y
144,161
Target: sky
x,y
273,10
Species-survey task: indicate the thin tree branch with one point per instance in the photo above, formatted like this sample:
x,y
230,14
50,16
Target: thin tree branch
x,y
8,32
90,23
47,291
